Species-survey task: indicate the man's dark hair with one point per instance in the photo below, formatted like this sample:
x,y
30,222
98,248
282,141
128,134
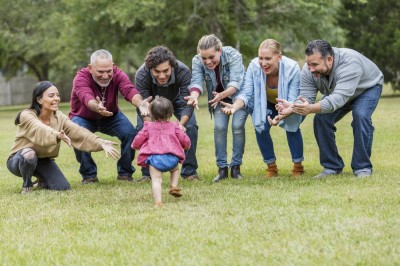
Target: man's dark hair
x,y
158,55
319,46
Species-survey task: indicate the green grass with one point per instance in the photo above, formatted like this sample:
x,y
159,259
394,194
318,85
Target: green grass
x,y
254,221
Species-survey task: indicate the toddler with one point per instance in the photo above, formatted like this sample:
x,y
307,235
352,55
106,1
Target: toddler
x,y
161,146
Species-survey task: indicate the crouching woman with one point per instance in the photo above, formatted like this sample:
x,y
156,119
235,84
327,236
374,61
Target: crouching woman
x,y
41,128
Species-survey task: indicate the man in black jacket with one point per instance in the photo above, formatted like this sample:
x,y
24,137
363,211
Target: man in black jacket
x,y
163,75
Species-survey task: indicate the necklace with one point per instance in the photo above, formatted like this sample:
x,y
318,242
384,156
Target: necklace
x,y
102,94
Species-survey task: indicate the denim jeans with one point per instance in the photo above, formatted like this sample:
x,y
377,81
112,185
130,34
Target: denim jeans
x,y
264,140
118,126
44,169
362,108
221,122
189,166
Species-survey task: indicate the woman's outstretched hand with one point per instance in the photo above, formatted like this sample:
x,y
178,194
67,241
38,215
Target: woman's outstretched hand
x,y
108,147
275,121
228,109
62,136
217,99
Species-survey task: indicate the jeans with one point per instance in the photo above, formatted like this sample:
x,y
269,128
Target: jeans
x,y
264,140
189,166
362,108
118,126
221,122
45,169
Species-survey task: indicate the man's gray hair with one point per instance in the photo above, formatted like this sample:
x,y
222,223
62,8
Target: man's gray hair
x,y
100,54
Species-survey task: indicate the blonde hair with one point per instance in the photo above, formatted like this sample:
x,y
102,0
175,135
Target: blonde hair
x,y
272,44
208,41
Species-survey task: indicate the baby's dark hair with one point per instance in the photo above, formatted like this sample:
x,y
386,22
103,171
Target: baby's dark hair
x,y
161,109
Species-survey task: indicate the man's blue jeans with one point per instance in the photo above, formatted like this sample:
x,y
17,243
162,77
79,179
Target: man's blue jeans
x,y
221,122
118,126
189,166
264,140
362,108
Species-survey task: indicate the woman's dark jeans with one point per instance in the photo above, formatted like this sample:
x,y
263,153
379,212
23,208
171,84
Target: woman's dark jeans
x,y
45,169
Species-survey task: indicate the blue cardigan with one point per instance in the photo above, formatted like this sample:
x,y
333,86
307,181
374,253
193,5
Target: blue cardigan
x,y
254,96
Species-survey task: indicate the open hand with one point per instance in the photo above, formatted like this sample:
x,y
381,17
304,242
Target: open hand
x,y
144,106
183,128
302,108
275,121
101,109
284,107
217,98
228,108
108,147
62,136
192,101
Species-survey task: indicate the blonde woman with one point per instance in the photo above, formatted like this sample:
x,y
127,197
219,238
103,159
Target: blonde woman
x,y
269,76
222,70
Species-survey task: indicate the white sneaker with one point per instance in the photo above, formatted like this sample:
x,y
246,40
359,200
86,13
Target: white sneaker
x,y
363,174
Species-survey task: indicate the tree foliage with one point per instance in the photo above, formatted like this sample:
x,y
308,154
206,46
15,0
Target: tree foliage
x,y
373,28
55,38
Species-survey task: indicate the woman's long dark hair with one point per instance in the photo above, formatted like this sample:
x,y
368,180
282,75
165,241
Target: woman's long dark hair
x,y
37,93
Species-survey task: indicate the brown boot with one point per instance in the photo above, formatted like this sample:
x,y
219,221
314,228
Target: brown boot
x,y
298,169
175,191
272,170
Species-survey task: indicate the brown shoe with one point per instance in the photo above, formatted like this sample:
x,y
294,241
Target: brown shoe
x,y
124,178
175,191
298,169
89,180
194,177
272,170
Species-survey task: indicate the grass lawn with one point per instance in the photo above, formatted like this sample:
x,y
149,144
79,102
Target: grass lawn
x,y
253,221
